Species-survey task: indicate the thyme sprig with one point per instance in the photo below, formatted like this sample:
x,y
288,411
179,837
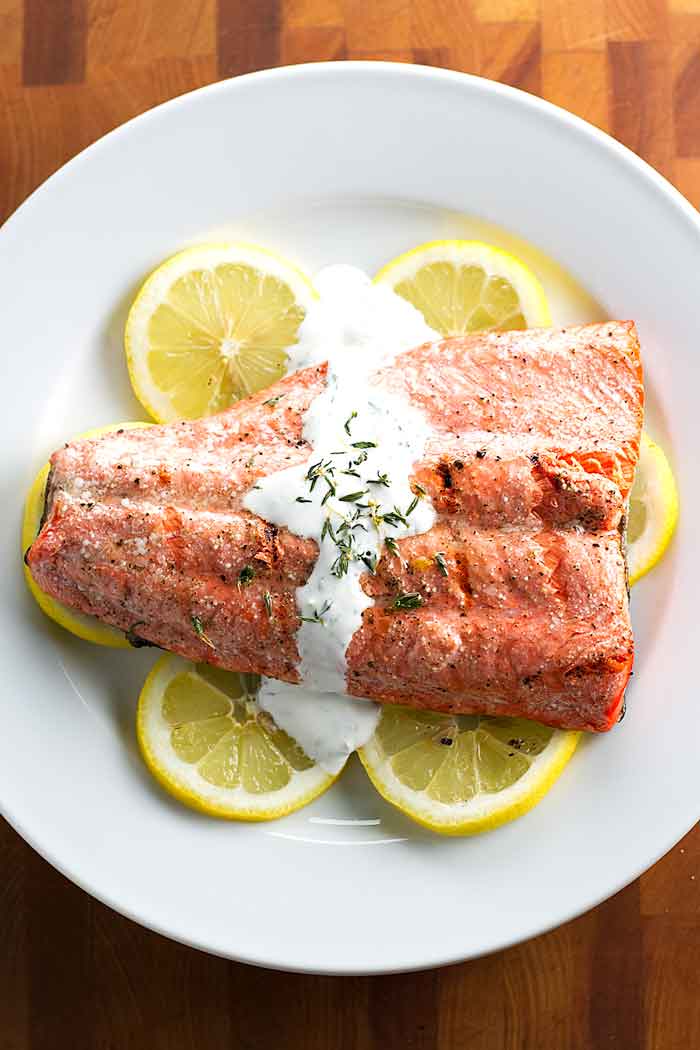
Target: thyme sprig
x,y
410,600
348,422
439,559
317,614
199,631
356,512
391,545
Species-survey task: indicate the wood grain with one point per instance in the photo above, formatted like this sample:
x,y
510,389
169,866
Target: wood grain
x,y
640,118
73,973
54,42
247,36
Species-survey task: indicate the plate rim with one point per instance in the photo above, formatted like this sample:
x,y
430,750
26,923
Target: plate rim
x,y
390,69
586,131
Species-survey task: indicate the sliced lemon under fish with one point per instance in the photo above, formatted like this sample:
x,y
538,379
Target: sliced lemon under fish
x,y
86,627
463,774
211,325
653,511
468,286
207,742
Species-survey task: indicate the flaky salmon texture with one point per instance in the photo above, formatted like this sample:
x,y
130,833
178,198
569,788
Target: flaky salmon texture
x,y
534,448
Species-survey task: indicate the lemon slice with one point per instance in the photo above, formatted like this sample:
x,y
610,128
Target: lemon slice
x,y
463,774
211,325
207,742
87,627
467,286
653,510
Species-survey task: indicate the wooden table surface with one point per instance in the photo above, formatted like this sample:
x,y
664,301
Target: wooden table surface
x,y
72,973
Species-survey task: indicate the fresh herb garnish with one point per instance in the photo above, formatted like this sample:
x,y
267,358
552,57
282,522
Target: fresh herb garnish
x,y
348,421
327,530
411,600
395,518
352,497
273,400
420,492
199,631
341,564
319,470
353,512
391,545
318,614
246,575
441,563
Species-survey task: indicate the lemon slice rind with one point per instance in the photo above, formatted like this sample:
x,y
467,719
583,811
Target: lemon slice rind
x,y
655,488
154,292
184,781
495,262
485,810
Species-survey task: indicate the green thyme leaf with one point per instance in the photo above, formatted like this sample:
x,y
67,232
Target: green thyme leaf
x,y
341,564
199,631
317,614
411,600
391,545
395,517
246,575
348,421
441,563
352,497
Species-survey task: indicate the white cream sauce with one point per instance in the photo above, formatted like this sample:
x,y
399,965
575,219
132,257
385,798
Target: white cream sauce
x,y
357,327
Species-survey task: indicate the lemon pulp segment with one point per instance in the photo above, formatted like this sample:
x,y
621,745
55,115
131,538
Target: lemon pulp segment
x,y
207,742
653,510
467,286
211,325
463,774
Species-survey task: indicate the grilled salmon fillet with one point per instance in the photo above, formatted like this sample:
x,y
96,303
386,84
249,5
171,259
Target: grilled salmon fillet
x,y
533,453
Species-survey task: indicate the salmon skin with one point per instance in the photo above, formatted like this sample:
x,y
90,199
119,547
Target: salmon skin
x,y
533,452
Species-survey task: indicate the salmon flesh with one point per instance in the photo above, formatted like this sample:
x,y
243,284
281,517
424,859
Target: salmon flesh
x,y
533,452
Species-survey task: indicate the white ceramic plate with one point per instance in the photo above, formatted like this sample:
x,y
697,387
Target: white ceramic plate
x,y
350,162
